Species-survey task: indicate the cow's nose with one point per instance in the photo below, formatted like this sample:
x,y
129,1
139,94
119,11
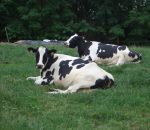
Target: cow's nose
x,y
65,43
39,66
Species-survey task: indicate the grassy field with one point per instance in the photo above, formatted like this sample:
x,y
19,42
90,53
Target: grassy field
x,y
26,106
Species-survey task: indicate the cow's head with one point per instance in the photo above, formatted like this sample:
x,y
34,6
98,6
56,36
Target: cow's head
x,y
135,57
74,41
42,55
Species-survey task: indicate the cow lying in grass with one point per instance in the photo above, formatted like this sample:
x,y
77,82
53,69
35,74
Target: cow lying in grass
x,y
70,72
102,53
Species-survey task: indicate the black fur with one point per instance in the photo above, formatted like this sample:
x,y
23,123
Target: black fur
x,y
132,54
79,61
79,42
49,77
103,83
107,51
37,56
50,61
64,69
121,48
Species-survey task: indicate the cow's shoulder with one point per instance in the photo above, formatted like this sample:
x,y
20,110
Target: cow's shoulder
x,y
64,68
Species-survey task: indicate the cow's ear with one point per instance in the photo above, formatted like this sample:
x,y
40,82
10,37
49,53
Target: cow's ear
x,y
32,49
52,52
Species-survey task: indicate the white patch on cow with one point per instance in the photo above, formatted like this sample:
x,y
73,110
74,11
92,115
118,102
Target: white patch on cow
x,y
41,54
68,41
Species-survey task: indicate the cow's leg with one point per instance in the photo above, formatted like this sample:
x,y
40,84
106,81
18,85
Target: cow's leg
x,y
121,60
73,88
33,78
43,81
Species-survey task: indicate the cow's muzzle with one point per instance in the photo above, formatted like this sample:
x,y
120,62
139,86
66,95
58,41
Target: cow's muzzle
x,y
65,43
39,66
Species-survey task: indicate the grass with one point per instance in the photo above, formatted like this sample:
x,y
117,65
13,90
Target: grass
x,y
26,106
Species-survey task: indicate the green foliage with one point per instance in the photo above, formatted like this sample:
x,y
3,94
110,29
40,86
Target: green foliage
x,y
102,20
117,31
26,106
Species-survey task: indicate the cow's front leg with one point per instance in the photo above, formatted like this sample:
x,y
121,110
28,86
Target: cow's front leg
x,y
33,78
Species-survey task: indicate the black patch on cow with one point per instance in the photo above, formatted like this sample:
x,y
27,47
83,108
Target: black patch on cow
x,y
103,83
37,55
90,59
49,63
64,69
49,77
121,48
132,54
80,66
80,63
45,58
75,41
106,51
83,48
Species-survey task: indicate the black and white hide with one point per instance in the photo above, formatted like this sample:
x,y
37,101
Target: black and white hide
x,y
101,53
70,72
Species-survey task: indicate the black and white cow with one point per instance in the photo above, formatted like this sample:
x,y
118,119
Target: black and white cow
x,y
103,53
70,72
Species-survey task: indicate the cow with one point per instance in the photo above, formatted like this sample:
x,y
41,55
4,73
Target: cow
x,y
101,53
73,73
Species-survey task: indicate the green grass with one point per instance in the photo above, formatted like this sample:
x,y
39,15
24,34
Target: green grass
x,y
26,106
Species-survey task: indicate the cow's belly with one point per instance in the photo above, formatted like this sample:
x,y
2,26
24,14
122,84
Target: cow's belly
x,y
65,82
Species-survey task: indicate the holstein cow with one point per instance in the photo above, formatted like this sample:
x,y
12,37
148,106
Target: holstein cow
x,y
103,53
70,72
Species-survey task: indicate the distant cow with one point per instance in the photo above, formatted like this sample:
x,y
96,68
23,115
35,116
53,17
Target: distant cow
x,y
102,53
70,72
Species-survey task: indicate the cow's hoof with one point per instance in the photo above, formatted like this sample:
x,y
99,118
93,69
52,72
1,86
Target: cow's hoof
x,y
28,78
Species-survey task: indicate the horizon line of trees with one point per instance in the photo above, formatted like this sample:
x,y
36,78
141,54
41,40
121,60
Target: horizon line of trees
x,y
102,20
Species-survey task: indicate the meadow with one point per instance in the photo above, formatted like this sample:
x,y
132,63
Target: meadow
x,y
26,106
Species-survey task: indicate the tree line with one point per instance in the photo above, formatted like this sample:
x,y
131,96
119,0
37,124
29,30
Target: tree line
x,y
118,21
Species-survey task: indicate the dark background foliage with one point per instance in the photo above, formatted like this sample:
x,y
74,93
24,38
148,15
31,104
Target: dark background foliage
x,y
116,21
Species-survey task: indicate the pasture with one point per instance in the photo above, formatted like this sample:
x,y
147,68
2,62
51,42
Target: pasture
x,y
26,106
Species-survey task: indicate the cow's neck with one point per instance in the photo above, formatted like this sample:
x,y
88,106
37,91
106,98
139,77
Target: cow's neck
x,y
48,64
83,47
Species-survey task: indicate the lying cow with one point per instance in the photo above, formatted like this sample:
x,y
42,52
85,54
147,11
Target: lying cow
x,y
70,72
102,53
